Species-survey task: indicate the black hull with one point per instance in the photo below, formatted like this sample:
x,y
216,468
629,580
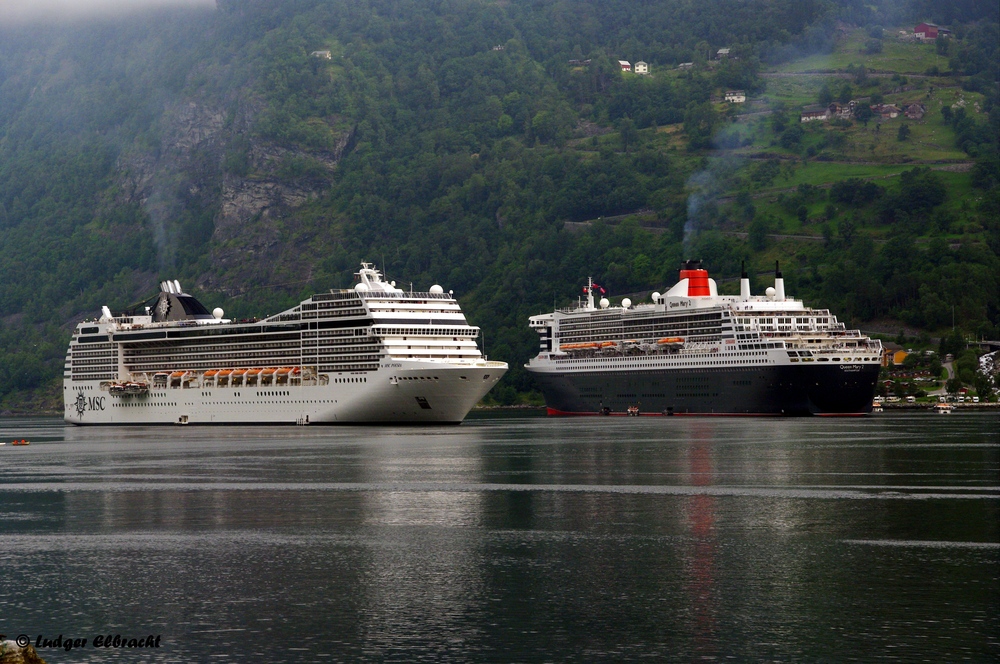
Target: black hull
x,y
775,390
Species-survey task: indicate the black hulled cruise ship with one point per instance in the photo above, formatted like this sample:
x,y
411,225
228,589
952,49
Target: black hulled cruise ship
x,y
695,352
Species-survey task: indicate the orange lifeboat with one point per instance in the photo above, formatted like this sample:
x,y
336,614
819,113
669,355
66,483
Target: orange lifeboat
x,y
267,372
284,370
177,374
670,340
224,372
211,373
607,344
252,372
239,372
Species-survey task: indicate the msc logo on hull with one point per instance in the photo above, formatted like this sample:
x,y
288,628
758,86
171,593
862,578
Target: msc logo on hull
x,y
83,404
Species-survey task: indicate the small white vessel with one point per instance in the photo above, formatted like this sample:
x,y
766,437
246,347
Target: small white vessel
x,y
943,408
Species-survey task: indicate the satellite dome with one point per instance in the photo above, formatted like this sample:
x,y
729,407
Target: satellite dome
x,y
655,296
361,288
770,291
605,303
437,290
218,312
626,303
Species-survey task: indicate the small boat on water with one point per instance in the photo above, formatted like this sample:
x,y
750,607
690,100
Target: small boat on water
x,y
877,406
943,408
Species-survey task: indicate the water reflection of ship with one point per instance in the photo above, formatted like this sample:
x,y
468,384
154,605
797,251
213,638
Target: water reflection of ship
x,y
423,577
700,560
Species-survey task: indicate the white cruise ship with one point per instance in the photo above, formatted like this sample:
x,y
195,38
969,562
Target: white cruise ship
x,y
695,352
373,354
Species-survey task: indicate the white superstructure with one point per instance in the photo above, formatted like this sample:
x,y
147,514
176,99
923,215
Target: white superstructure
x,y
372,354
693,350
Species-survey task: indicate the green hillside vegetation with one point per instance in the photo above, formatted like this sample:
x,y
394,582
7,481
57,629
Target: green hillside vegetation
x,y
455,143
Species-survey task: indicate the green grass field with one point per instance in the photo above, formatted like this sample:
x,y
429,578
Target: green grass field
x,y
901,56
828,153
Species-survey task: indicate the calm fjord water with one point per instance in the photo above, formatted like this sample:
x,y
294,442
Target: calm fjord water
x,y
509,539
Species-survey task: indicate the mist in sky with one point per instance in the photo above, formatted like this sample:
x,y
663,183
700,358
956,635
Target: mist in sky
x,y
14,11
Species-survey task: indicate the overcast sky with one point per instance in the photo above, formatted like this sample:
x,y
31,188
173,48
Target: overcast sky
x,y
33,10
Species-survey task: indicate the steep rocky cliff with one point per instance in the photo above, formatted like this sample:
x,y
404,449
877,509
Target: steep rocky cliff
x,y
210,159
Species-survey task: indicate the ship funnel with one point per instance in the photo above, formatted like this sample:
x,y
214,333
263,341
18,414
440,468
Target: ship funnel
x,y
779,284
166,287
697,278
177,285
744,282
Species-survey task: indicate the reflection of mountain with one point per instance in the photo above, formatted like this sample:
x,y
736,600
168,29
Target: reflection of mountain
x,y
32,512
668,541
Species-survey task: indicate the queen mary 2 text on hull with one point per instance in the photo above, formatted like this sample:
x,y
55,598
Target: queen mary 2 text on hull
x,y
371,354
693,351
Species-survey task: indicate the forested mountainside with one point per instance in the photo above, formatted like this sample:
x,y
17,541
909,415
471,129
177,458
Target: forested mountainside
x,y
260,150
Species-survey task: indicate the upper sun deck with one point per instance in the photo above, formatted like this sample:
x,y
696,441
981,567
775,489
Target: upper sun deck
x,y
696,294
371,300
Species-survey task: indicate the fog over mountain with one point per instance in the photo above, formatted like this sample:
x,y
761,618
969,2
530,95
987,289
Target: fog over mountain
x,y
35,10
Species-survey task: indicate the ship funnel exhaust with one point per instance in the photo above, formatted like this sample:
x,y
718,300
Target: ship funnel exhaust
x,y
697,278
779,284
744,282
171,286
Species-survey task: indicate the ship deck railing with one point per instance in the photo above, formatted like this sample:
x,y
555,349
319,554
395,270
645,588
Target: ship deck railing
x,y
374,295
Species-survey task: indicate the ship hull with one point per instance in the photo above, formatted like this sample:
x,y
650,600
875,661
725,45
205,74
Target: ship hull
x,y
417,393
771,390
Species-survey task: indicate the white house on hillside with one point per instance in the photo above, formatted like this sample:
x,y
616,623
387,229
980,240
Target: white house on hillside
x,y
325,55
736,96
641,67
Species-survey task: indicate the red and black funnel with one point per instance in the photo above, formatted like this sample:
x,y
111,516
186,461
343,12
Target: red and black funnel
x,y
697,278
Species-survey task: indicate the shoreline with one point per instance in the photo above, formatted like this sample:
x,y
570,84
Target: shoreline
x,y
9,414
930,406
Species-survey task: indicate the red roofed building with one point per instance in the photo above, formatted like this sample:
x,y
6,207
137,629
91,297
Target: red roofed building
x,y
929,31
